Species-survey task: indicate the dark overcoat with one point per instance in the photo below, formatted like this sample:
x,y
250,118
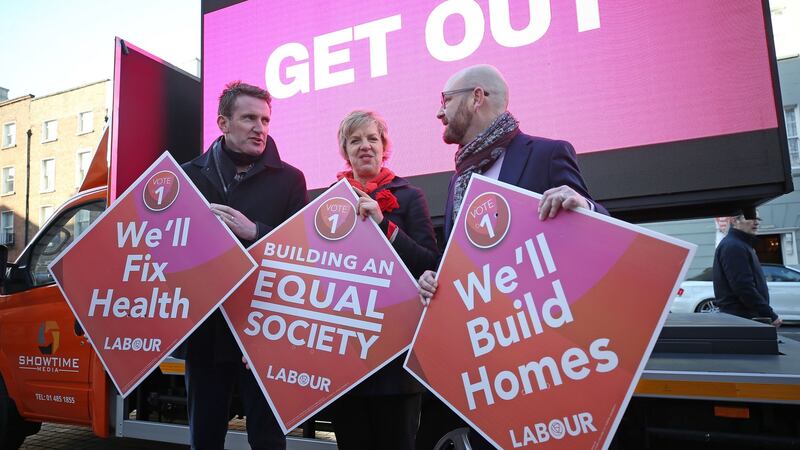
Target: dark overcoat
x,y
415,243
271,192
739,283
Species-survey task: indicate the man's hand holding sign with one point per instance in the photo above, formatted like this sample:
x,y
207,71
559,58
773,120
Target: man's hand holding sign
x,y
552,201
544,345
239,224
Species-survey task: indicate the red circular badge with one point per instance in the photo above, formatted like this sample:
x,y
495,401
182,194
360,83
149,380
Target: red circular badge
x,y
487,219
161,190
335,218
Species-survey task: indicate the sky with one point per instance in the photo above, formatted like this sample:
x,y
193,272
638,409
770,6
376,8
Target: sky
x,y
48,46
786,27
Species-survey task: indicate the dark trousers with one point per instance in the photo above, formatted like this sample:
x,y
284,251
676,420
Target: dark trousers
x,y
209,389
438,419
376,422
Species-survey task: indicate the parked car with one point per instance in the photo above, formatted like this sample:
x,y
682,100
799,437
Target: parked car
x,y
696,294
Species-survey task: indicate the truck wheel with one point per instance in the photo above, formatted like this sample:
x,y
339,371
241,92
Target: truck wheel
x,y
707,306
13,428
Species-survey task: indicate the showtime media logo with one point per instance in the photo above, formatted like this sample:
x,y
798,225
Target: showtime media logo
x,y
49,337
48,341
301,379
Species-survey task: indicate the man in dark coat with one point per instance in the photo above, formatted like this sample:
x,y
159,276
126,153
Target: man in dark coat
x,y
252,191
474,112
740,287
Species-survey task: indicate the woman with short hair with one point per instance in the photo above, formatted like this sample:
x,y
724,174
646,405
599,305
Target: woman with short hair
x,y
383,411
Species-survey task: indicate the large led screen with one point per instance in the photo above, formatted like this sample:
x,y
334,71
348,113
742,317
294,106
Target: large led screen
x,y
603,75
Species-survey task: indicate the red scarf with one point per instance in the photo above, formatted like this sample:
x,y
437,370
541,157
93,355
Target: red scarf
x,y
387,202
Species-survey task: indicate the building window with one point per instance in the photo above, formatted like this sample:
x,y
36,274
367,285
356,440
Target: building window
x,y
48,179
50,131
82,165
44,213
7,181
791,116
7,227
9,134
85,124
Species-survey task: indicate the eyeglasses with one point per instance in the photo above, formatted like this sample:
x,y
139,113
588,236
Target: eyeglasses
x,y
446,94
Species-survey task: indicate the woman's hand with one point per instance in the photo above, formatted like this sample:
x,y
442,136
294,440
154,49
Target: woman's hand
x,y
368,207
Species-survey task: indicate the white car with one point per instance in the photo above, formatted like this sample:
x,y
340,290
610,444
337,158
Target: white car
x,y
696,294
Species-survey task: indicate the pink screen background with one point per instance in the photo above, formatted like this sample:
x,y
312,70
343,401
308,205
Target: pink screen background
x,y
652,72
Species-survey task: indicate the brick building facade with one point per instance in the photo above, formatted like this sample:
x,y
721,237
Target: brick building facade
x,y
46,146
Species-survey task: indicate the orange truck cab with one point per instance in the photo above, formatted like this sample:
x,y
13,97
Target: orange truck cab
x,y
49,371
48,368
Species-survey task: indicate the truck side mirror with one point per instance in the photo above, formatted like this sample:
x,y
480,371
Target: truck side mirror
x,y
3,262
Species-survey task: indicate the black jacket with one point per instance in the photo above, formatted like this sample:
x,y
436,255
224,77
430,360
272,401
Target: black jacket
x,y
415,243
740,287
271,192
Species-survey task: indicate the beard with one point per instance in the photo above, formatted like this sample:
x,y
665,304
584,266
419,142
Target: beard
x,y
456,129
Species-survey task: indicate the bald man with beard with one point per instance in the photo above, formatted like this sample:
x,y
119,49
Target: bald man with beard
x,y
474,112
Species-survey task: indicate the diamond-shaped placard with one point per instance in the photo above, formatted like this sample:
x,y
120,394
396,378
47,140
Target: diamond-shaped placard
x,y
148,272
330,304
539,330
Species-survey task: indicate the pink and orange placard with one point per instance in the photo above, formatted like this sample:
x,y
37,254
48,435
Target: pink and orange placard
x,y
330,304
148,271
539,330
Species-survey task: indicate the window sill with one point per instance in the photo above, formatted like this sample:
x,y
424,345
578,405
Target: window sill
x,y
5,194
8,146
81,133
47,191
49,140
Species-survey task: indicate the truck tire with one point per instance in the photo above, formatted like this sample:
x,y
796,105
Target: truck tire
x,y
13,428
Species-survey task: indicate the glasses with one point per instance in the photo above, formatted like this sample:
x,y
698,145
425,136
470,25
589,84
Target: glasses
x,y
446,94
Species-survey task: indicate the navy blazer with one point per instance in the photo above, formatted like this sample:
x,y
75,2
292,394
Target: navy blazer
x,y
536,164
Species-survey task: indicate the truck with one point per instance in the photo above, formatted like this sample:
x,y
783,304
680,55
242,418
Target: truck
x,y
712,380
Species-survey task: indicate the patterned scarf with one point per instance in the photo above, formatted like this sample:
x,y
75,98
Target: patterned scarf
x,y
386,200
239,158
481,153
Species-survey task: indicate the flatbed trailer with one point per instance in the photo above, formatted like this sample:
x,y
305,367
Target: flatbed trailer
x,y
716,381
713,379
